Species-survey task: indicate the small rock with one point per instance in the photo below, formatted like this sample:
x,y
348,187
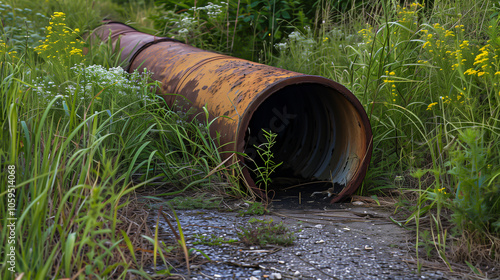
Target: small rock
x,y
320,241
346,229
275,276
368,248
217,276
318,226
253,278
256,273
298,253
281,262
358,203
297,273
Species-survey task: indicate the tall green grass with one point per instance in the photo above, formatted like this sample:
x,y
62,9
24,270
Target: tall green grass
x,y
83,138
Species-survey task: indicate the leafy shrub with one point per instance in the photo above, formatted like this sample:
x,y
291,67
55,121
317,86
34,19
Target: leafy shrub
x,y
476,189
243,28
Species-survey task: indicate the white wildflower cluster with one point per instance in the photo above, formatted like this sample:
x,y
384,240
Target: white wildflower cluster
x,y
98,77
112,84
281,46
45,90
301,39
213,10
304,43
296,36
185,24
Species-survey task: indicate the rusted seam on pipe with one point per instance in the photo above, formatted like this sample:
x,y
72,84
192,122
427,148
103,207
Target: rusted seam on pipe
x,y
145,46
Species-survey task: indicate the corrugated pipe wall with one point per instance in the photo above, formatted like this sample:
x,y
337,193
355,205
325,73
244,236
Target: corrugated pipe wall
x,y
323,132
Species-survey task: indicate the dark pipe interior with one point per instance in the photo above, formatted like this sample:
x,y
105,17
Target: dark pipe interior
x,y
313,138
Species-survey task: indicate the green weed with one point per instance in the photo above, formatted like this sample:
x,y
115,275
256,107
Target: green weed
x,y
265,153
476,201
255,208
262,233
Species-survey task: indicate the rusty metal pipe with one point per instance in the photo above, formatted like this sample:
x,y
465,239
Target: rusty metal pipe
x,y
323,132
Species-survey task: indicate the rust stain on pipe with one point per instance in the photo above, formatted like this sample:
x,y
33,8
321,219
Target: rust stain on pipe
x,y
323,132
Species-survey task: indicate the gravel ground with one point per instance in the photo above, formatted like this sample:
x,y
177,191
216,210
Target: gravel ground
x,y
349,242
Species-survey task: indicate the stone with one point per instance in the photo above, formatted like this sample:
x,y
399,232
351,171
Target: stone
x,y
275,276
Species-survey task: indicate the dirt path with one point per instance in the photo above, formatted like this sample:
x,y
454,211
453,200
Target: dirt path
x,y
350,242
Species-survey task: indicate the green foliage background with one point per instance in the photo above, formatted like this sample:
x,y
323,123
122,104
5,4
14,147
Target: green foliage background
x,y
428,75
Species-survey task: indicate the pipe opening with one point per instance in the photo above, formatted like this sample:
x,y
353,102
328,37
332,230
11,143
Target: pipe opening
x,y
318,138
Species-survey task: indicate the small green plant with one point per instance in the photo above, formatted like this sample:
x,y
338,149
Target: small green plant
x,y
212,240
266,155
426,243
255,208
264,232
196,202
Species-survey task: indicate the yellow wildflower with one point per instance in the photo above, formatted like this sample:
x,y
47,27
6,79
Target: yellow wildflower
x,y
470,71
464,44
431,105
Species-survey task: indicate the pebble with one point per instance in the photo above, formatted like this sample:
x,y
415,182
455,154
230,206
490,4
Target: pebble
x,y
256,273
358,203
275,276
